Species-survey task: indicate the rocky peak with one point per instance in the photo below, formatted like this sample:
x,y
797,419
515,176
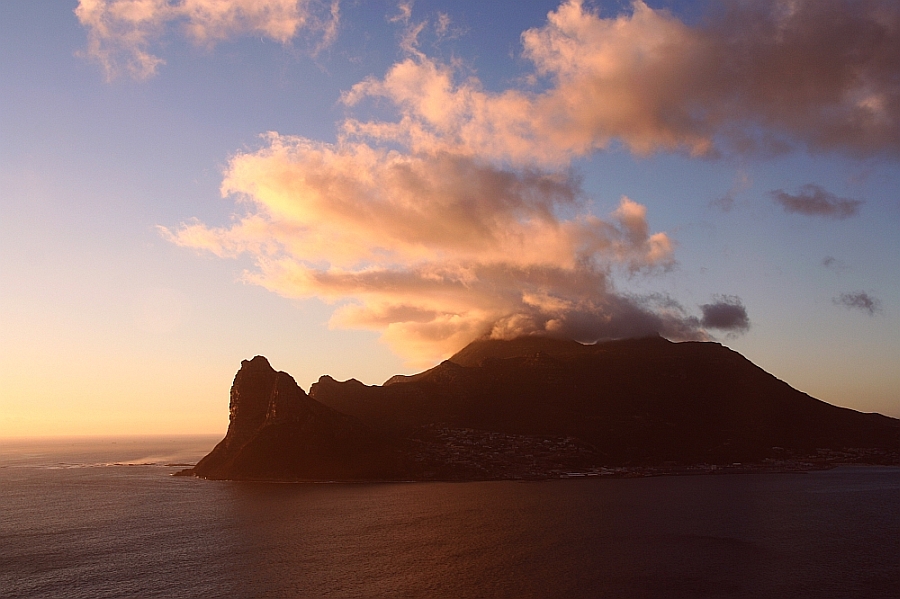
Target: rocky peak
x,y
260,395
250,394
278,432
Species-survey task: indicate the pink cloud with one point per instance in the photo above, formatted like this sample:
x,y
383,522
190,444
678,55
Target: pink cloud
x,y
430,249
121,33
755,76
460,217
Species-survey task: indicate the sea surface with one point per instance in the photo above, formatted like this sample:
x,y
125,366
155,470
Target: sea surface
x,y
105,518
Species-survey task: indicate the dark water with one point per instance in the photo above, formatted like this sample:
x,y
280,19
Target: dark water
x,y
73,524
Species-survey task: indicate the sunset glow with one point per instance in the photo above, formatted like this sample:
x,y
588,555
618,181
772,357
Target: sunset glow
x,y
361,189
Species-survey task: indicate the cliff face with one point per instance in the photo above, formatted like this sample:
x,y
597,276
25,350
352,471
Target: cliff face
x,y
277,432
251,394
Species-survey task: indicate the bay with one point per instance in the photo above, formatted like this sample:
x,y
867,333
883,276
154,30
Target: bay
x,y
104,518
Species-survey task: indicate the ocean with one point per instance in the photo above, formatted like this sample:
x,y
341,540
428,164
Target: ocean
x,y
105,518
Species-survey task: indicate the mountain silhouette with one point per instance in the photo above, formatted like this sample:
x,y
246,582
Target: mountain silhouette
x,y
532,406
276,432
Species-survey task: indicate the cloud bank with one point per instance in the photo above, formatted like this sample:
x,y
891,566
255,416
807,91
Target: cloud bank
x,y
435,250
815,201
121,33
458,215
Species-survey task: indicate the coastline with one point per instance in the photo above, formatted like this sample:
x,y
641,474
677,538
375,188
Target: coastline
x,y
610,474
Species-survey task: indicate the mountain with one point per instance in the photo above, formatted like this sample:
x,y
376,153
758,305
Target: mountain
x,y
534,406
276,432
634,401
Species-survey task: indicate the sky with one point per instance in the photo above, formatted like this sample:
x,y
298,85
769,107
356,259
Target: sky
x,y
360,188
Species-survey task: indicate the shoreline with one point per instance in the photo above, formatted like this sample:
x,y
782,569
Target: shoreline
x,y
624,473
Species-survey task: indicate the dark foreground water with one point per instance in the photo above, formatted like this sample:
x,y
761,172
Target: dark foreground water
x,y
75,524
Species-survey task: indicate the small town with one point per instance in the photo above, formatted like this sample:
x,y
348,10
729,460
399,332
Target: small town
x,y
447,453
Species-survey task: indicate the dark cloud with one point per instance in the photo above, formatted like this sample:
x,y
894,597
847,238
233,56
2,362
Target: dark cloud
x,y
620,316
859,300
816,201
727,313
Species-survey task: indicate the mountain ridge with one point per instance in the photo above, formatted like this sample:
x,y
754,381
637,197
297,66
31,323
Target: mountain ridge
x,y
634,402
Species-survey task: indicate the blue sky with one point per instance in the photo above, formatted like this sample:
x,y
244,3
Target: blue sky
x,y
436,176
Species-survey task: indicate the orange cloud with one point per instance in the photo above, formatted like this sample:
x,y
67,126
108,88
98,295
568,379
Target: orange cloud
x,y
121,32
430,249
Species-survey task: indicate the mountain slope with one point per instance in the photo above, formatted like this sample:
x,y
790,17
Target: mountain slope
x,y
639,400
